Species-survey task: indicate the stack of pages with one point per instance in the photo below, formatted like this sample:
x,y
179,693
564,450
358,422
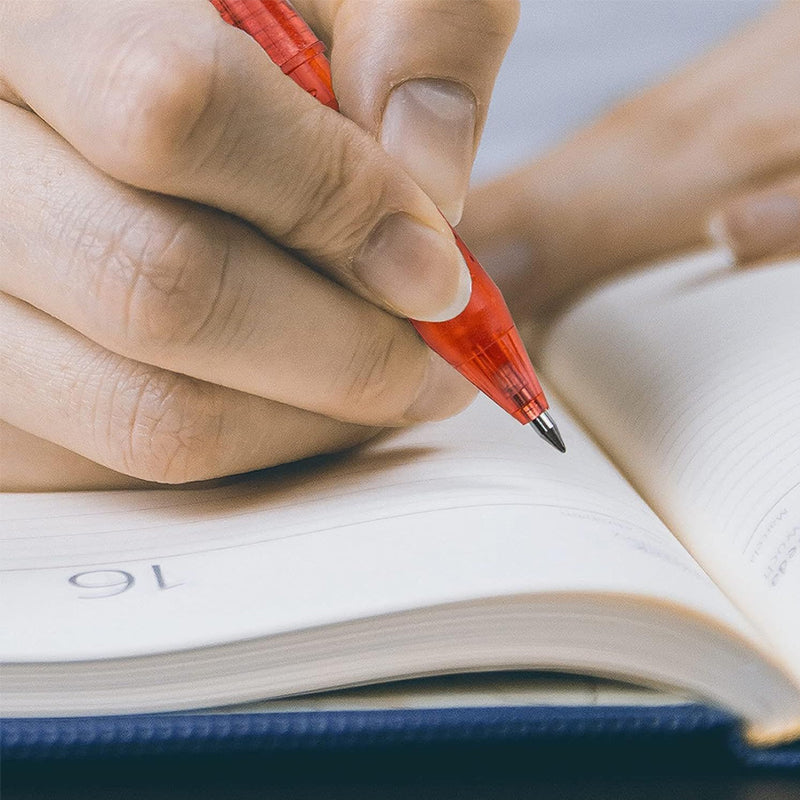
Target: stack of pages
x,y
663,549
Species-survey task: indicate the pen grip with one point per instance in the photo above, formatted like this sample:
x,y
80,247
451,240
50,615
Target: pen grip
x,y
485,317
483,344
274,24
289,42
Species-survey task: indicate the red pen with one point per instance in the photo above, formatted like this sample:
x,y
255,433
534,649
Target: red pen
x,y
481,342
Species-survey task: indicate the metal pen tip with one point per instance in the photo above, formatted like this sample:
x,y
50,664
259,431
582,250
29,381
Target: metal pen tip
x,y
548,430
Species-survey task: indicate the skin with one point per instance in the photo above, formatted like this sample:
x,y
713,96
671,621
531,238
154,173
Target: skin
x,y
711,153
200,262
156,257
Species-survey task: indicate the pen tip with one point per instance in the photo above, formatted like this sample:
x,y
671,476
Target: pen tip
x,y
548,430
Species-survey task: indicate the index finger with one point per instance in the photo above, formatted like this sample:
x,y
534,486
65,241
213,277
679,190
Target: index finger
x,y
168,97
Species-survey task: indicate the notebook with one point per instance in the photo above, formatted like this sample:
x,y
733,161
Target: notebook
x,y
661,552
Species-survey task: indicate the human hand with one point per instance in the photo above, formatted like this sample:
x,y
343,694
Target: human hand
x,y
761,224
203,268
718,144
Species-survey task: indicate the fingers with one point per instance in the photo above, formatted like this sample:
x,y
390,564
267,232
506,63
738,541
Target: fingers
x,y
168,97
760,224
418,75
31,464
184,288
142,421
643,179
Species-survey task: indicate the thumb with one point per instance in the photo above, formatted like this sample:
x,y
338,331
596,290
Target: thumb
x,y
418,75
760,224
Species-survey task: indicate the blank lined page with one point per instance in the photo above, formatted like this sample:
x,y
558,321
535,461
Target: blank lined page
x,y
689,374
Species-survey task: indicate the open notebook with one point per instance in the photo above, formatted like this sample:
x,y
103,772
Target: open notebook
x,y
662,549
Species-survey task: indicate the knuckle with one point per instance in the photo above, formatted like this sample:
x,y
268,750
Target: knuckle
x,y
337,200
167,427
372,381
767,144
155,103
161,279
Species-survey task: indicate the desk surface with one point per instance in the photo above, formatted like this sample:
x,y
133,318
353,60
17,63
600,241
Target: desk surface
x,y
454,774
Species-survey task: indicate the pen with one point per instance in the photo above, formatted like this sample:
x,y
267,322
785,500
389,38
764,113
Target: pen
x,y
481,342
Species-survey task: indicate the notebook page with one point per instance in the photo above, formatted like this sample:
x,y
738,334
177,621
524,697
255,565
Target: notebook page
x,y
689,374
477,690
474,507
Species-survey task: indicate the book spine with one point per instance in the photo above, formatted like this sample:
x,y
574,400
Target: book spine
x,y
81,737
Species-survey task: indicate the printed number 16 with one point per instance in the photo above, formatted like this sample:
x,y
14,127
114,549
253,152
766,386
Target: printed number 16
x,y
109,582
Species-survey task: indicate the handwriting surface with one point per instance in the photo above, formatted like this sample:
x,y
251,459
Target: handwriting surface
x,y
474,507
689,375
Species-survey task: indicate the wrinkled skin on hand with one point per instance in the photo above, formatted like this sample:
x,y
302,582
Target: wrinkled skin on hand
x,y
205,272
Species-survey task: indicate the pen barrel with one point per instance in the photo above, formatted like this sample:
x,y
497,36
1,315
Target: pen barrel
x,y
483,344
288,41
314,75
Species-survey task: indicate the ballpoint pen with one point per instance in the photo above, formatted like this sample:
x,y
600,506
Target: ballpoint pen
x,y
481,342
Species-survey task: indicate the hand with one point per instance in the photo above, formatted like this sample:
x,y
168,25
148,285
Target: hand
x,y
718,144
203,268
760,224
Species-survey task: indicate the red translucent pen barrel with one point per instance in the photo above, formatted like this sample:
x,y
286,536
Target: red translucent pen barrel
x,y
290,43
483,344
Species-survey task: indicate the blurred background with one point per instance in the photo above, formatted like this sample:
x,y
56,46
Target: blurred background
x,y
572,59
